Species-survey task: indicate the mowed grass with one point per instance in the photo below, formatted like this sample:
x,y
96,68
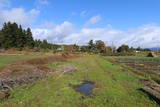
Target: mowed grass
x,y
113,87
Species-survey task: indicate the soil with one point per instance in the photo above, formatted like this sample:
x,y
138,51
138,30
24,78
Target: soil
x,y
67,69
27,71
151,88
147,67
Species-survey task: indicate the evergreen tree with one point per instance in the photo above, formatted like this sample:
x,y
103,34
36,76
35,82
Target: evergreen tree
x,y
20,38
14,36
91,46
9,32
44,44
29,38
1,39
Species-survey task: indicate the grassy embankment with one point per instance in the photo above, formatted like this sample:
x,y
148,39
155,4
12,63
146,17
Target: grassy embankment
x,y
8,59
113,87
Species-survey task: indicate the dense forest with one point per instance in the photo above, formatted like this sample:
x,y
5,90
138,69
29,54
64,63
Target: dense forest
x,y
13,35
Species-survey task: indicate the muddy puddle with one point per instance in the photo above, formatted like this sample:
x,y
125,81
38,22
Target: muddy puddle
x,y
85,88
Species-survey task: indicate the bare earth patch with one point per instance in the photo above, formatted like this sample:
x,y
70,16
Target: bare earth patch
x,y
152,89
67,69
27,71
152,68
148,67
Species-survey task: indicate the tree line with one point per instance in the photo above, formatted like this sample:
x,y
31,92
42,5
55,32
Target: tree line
x,y
13,35
100,47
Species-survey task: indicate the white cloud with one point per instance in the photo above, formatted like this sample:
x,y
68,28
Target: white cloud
x,y
41,33
42,2
83,13
4,3
18,15
93,20
55,34
144,36
65,33
86,34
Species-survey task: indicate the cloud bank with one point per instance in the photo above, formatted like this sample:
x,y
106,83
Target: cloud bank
x,y
145,36
18,15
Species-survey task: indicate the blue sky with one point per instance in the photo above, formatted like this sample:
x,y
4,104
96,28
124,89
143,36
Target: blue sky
x,y
60,21
122,14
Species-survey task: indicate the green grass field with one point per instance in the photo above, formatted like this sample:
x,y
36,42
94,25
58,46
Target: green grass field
x,y
147,66
113,87
5,60
139,59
